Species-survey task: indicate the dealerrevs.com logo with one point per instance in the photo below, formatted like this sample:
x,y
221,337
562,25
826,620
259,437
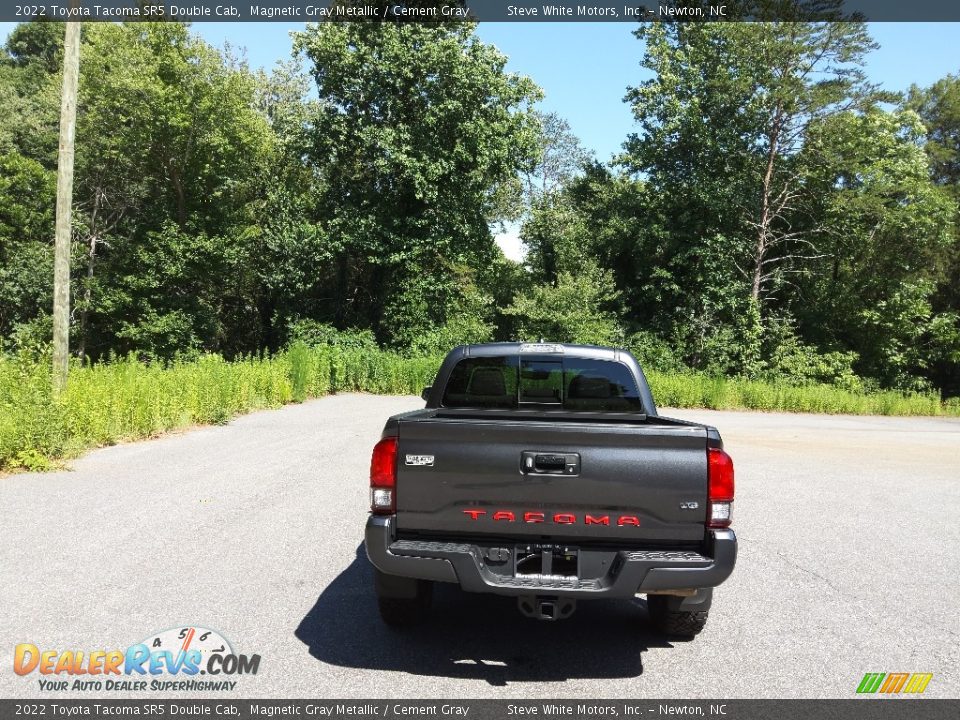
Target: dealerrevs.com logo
x,y
186,658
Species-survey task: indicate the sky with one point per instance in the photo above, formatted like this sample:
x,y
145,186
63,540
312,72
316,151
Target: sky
x,y
585,68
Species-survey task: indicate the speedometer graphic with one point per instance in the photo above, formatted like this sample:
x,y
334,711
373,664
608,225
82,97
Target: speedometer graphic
x,y
192,637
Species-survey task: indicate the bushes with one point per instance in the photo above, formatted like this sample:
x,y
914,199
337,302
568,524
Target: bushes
x,y
127,399
32,427
316,334
691,390
576,310
792,361
654,353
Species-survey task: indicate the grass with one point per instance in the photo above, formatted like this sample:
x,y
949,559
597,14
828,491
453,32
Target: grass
x,y
127,400
698,391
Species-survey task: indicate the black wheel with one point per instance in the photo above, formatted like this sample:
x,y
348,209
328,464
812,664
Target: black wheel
x,y
403,601
676,623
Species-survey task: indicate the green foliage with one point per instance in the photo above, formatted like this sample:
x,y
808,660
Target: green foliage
x,y
717,393
317,334
772,219
215,206
886,234
575,310
723,120
170,160
468,323
301,364
913,335
167,198
939,109
561,157
31,423
794,362
30,91
756,197
125,400
654,353
555,236
419,131
36,43
26,234
427,313
33,337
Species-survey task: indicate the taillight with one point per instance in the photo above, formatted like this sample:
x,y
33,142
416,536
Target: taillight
x,y
720,488
383,477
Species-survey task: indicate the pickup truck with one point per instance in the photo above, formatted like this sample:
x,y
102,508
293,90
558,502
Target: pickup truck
x,y
543,471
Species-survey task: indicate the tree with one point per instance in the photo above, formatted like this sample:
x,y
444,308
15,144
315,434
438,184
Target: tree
x,y
560,158
171,176
26,230
420,128
939,108
599,214
723,122
30,65
580,308
292,254
39,44
555,237
886,237
30,84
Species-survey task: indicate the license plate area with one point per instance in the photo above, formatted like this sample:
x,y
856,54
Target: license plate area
x,y
546,560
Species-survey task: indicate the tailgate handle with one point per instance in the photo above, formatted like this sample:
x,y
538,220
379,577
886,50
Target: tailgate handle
x,y
538,463
550,463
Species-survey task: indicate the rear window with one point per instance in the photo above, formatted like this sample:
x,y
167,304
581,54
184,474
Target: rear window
x,y
483,382
510,382
600,386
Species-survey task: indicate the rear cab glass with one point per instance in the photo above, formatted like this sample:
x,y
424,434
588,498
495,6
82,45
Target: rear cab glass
x,y
483,382
572,384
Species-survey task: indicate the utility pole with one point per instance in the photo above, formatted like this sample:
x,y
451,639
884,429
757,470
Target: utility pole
x,y
61,261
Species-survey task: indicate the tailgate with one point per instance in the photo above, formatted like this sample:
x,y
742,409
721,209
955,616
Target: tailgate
x,y
552,481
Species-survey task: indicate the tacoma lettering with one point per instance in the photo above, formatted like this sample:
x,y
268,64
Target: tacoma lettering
x,y
560,518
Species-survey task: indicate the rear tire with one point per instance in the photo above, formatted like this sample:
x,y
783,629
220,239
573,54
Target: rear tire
x,y
403,601
675,623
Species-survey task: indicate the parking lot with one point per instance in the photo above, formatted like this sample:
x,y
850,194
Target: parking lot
x,y
849,551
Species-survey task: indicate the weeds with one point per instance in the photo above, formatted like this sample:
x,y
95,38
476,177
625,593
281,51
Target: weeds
x,y
127,399
698,391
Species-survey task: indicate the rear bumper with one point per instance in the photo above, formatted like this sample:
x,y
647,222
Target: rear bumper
x,y
627,572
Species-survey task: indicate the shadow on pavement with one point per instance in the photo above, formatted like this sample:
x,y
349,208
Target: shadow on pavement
x,y
475,636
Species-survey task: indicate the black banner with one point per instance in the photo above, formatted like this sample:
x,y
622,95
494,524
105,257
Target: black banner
x,y
858,709
483,10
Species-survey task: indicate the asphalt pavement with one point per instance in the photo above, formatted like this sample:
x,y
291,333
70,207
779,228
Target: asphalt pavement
x,y
849,532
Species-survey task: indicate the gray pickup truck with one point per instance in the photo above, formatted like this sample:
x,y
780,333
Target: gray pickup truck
x,y
543,471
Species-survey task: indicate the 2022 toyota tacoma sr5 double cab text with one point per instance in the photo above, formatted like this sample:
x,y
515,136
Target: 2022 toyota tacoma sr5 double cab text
x,y
543,471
